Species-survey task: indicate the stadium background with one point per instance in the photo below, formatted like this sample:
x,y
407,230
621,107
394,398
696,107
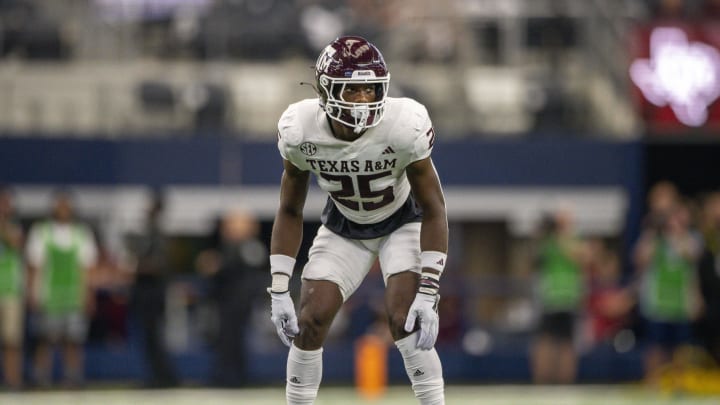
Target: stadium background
x,y
532,102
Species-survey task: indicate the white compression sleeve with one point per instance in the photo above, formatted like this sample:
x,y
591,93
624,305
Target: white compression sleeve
x,y
304,373
424,370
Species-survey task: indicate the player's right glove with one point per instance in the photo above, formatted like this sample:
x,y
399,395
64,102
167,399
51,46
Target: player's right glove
x,y
282,308
282,314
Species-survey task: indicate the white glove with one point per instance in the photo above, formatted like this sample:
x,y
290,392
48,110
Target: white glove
x,y
424,309
282,314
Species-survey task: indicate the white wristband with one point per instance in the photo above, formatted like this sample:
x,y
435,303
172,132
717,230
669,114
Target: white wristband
x,y
281,268
433,260
282,264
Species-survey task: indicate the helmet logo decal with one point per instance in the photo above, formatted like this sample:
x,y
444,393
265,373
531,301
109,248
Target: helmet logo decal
x,y
347,51
325,59
308,148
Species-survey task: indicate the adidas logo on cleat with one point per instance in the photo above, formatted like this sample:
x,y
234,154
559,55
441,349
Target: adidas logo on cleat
x,y
388,151
418,373
294,380
440,262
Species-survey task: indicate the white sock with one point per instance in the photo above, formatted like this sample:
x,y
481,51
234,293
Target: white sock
x,y
424,369
304,372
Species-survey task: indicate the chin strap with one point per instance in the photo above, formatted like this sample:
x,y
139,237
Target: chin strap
x,y
361,113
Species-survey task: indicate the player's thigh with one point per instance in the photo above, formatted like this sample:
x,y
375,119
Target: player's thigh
x,y
339,260
320,301
400,251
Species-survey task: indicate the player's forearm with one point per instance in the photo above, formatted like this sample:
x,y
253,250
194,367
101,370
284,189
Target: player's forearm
x,y
288,226
287,234
284,246
433,255
434,232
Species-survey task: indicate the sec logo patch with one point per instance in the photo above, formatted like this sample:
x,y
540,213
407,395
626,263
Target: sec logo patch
x,y
308,148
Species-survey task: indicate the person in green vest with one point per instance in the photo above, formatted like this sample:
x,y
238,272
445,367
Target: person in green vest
x,y
11,292
560,290
150,251
666,257
61,251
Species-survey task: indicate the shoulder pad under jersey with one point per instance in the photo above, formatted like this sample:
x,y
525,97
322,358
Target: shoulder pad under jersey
x,y
290,131
413,127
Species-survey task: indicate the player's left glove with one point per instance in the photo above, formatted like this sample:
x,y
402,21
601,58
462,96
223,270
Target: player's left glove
x,y
424,307
424,310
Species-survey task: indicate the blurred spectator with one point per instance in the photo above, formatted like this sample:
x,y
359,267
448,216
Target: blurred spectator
x,y
210,103
252,29
665,258
61,252
368,18
150,251
561,254
710,10
237,267
430,31
12,283
26,32
609,303
321,22
662,199
110,281
669,9
453,325
709,269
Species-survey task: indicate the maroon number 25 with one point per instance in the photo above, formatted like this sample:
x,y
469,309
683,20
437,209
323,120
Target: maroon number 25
x,y
347,189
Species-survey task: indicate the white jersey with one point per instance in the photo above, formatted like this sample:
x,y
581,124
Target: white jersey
x,y
366,177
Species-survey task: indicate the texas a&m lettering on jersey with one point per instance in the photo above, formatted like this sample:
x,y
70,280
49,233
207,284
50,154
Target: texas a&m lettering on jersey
x,y
351,166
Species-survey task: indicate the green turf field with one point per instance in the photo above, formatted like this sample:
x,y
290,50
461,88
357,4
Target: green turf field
x,y
456,395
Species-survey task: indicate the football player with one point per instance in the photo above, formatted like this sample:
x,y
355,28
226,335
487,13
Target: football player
x,y
371,154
